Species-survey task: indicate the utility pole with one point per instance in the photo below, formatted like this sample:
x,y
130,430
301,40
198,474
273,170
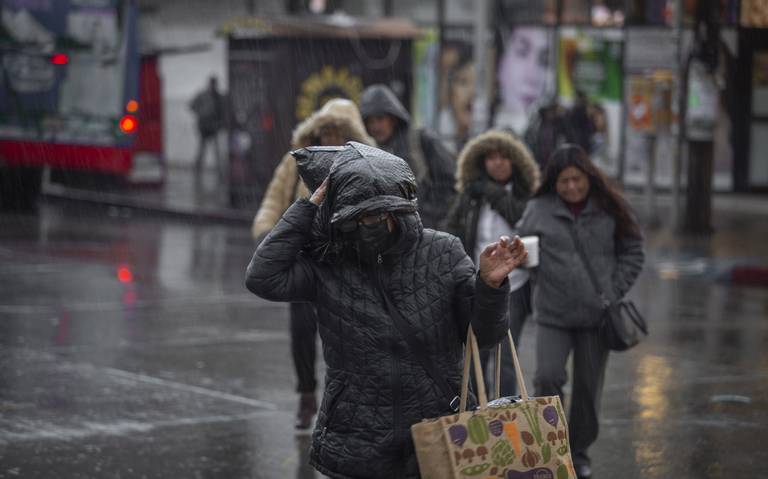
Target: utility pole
x,y
389,8
438,65
682,94
480,105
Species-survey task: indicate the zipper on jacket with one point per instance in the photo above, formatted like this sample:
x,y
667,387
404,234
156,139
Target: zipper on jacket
x,y
395,368
395,399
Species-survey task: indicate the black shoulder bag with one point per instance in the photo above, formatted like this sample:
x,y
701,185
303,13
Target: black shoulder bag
x,y
622,327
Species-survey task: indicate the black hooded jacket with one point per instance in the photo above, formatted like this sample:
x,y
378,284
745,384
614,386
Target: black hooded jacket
x,y
433,163
375,388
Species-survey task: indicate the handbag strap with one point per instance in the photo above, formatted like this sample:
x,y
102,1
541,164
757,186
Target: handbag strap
x,y
419,352
472,352
588,267
518,369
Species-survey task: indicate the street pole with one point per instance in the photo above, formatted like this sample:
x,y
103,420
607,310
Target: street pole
x,y
650,182
438,63
480,105
682,93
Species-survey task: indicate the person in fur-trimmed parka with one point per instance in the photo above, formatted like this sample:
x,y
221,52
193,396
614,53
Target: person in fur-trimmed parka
x,y
337,122
496,174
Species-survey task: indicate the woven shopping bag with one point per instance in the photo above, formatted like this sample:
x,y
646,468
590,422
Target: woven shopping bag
x,y
504,439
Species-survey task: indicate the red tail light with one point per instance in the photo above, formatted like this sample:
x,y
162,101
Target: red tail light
x,y
124,274
59,58
128,124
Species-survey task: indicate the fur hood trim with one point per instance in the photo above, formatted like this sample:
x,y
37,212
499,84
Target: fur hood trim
x,y
338,113
470,163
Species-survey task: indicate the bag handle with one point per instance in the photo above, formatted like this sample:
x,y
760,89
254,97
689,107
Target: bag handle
x,y
518,369
472,353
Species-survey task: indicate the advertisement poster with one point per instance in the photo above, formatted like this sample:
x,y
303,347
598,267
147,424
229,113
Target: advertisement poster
x,y
650,62
589,70
445,86
525,75
649,56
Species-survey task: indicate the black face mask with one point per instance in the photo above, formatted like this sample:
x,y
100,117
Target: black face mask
x,y
371,240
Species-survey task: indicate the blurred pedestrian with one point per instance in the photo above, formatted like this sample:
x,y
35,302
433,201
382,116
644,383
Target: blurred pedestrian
x,y
580,122
576,203
210,109
385,267
334,124
496,175
434,165
547,129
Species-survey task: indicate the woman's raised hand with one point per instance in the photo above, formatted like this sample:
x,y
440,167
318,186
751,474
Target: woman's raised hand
x,y
499,258
319,195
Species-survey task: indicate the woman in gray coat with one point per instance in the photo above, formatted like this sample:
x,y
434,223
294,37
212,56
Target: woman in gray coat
x,y
575,201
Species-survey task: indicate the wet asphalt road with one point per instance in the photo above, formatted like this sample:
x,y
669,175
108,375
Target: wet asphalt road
x,y
129,348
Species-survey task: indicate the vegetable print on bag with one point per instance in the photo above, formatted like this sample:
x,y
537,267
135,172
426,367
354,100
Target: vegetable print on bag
x,y
503,439
526,440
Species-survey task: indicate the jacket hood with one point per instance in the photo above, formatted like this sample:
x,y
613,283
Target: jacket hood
x,y
379,100
470,165
340,114
362,180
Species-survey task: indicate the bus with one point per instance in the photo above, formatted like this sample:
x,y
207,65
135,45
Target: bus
x,y
75,94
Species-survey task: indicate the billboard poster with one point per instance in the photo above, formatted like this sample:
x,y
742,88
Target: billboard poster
x,y
445,84
590,66
650,69
525,75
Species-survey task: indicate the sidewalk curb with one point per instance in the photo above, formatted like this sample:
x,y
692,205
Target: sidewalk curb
x,y
58,192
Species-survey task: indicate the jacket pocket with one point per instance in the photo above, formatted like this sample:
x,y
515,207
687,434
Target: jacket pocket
x,y
334,394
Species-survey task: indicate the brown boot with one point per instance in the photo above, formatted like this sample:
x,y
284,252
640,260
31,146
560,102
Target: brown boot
x,y
307,410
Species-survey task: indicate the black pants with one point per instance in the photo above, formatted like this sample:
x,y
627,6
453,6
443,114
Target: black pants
x,y
303,345
206,139
553,346
519,309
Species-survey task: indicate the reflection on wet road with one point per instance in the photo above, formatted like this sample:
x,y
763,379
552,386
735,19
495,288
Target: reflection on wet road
x,y
130,348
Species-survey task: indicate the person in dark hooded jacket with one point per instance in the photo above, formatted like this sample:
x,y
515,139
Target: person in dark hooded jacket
x,y
377,257
434,165
496,176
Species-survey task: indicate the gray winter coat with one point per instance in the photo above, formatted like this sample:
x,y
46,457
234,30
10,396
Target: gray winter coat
x,y
564,295
375,388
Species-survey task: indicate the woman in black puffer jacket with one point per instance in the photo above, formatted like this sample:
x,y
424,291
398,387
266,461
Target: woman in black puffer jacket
x,y
375,247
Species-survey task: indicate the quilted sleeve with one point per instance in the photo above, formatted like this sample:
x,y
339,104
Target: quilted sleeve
x,y
485,306
278,270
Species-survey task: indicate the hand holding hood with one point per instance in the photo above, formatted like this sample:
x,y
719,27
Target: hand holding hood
x,y
362,180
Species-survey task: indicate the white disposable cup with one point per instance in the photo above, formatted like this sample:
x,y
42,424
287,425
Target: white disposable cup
x,y
532,246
